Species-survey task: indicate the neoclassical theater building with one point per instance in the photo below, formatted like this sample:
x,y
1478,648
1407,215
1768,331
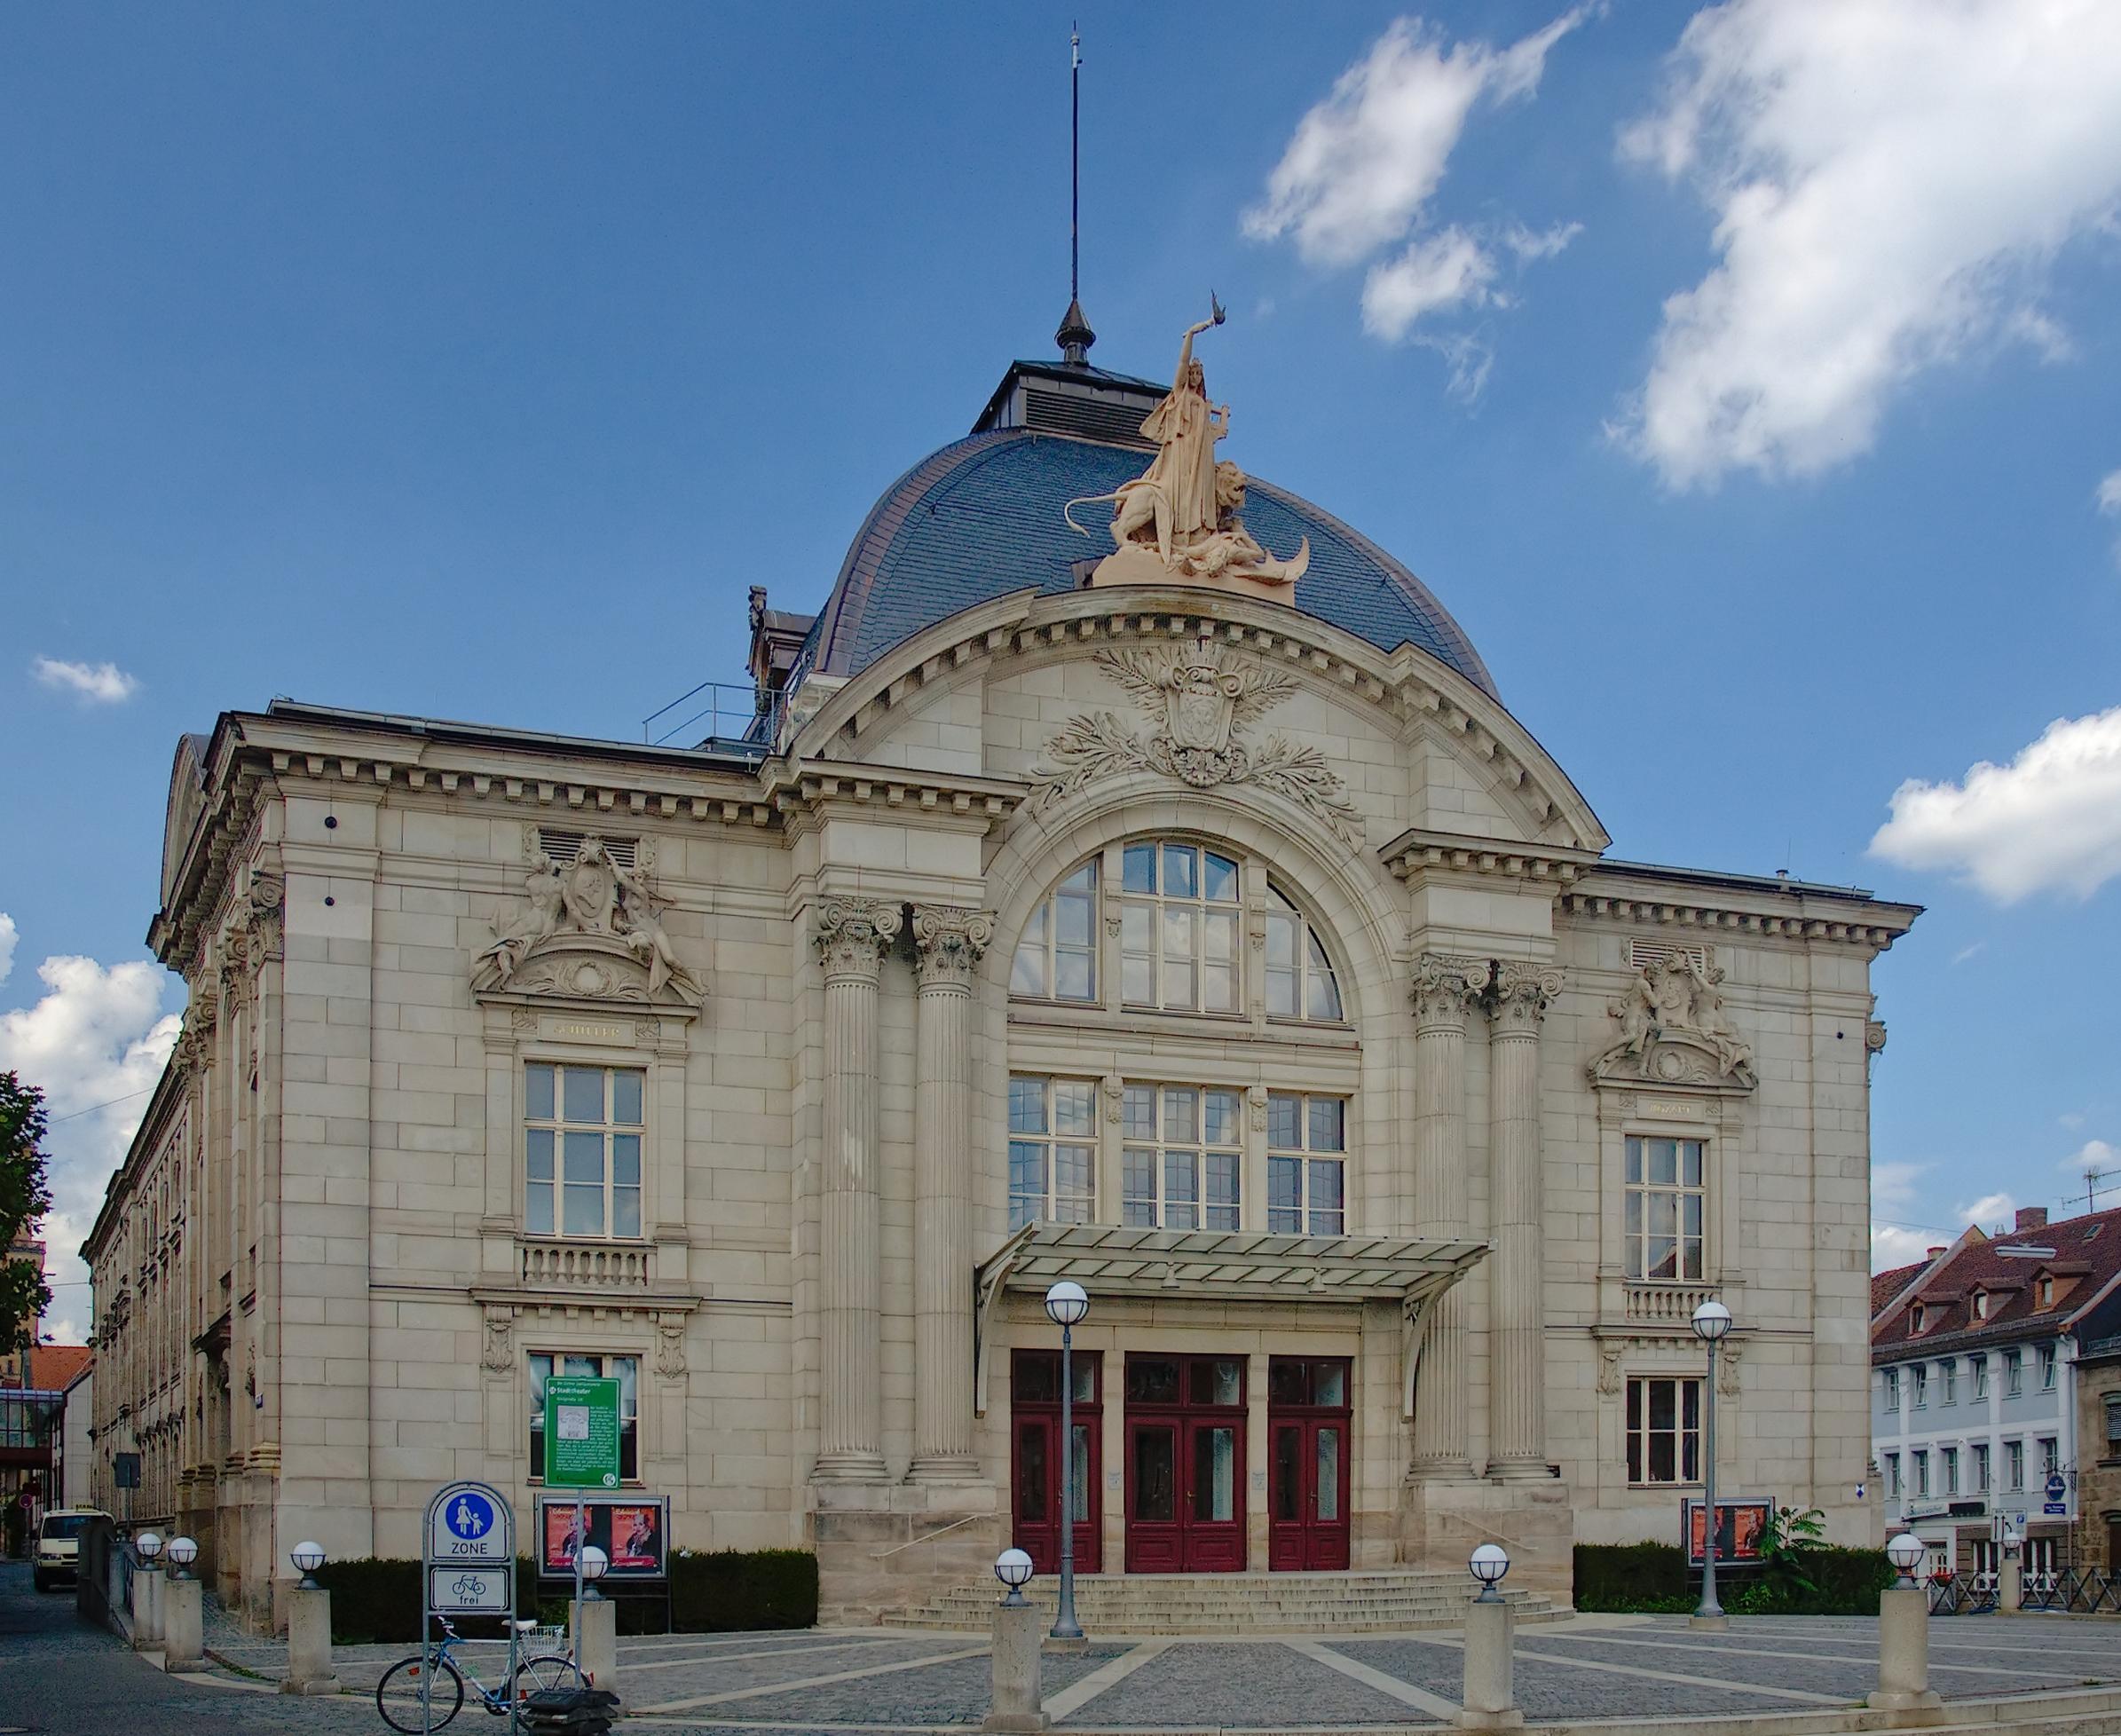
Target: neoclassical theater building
x,y
1170,904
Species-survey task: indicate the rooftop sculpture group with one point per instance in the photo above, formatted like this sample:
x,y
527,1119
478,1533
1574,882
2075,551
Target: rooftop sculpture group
x,y
1180,521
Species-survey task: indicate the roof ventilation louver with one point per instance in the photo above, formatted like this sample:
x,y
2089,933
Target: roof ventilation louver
x,y
562,846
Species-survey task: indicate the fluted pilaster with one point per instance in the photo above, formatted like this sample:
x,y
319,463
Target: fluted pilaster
x,y
852,936
950,942
1444,991
1516,1003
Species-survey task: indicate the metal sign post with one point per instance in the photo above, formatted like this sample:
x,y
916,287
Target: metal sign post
x,y
582,1452
467,1567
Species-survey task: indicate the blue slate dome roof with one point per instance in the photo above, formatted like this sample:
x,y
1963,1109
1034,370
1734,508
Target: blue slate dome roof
x,y
982,517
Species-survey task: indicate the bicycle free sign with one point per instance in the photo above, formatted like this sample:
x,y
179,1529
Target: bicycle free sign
x,y
470,1548
582,1433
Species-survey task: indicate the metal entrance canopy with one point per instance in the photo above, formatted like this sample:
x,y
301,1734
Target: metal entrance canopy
x,y
1238,1265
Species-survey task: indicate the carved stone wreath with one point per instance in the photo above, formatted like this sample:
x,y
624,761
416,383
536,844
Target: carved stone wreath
x,y
1196,700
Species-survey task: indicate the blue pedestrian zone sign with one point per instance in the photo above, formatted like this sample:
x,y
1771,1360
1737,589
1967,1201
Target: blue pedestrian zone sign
x,y
468,1524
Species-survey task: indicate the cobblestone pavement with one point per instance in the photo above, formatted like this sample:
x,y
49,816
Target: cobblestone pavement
x,y
874,1682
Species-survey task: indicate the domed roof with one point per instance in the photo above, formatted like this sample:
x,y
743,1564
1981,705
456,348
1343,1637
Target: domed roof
x,y
982,517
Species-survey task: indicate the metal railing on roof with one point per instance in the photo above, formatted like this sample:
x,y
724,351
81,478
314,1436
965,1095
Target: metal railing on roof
x,y
729,712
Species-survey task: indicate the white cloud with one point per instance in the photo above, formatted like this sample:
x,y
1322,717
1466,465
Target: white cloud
x,y
7,945
1892,1245
1892,1192
2071,1119
2109,493
1446,270
99,683
2094,1154
1990,1212
94,1042
2049,820
1362,166
1890,180
1967,952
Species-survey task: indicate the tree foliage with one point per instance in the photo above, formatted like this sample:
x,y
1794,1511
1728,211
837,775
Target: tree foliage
x,y
24,1199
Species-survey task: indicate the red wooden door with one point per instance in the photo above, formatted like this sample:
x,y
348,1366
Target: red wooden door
x,y
1035,1464
1184,1470
1307,1432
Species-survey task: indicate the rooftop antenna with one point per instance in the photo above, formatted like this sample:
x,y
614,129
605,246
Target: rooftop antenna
x,y
1075,336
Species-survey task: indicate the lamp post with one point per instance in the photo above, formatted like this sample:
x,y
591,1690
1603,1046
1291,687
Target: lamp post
x,y
1712,1320
1066,1303
1488,1563
1012,1567
307,1557
1489,1702
595,1564
183,1552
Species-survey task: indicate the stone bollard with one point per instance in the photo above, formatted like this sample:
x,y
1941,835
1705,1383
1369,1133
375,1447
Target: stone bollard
x,y
182,1624
1903,1687
309,1643
1016,1703
1490,1698
146,1609
597,1645
2010,1584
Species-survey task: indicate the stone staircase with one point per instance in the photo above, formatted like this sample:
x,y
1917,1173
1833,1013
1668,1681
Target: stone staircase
x,y
1390,1601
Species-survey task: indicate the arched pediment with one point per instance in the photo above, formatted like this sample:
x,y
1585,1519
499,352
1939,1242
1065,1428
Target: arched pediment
x,y
1268,651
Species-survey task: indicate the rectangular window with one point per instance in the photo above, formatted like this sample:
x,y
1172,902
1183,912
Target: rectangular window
x,y
2014,1465
1950,1470
1306,1137
1921,1473
1892,1475
1892,1390
2046,1368
2013,1373
2050,1457
2113,1431
582,1128
1184,1153
1052,1150
1664,1430
624,1369
1922,1379
1665,1206
1980,1365
1948,1370
1980,1468
1178,938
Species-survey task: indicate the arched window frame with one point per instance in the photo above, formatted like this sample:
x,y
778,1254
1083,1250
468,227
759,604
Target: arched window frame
x,y
1286,976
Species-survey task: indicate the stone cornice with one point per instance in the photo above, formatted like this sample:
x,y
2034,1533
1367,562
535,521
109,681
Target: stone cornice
x,y
1410,686
1414,852
810,785
1855,922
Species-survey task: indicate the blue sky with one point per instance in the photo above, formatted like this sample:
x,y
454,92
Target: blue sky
x,y
1747,397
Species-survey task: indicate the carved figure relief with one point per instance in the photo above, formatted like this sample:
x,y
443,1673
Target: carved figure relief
x,y
1181,520
1195,697
1674,1030
593,929
670,1345
497,1358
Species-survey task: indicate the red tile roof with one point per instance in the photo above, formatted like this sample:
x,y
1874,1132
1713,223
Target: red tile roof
x,y
1885,1286
2086,1265
52,1368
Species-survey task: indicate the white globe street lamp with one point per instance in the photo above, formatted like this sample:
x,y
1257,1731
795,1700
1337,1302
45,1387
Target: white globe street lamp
x,y
307,1557
1712,1320
1066,1303
150,1544
595,1565
1012,1567
1488,1564
183,1552
1906,1553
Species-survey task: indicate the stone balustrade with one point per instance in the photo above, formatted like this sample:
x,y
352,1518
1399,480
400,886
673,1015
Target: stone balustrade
x,y
587,1266
1663,1305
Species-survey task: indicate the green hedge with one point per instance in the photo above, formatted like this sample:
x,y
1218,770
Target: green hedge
x,y
1654,1578
377,1600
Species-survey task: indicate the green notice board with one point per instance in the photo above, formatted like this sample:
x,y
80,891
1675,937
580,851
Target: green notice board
x,y
582,1433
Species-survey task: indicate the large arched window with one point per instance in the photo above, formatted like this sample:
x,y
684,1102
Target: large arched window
x,y
1158,924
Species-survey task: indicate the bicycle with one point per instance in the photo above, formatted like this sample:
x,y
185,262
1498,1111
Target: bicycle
x,y
445,1686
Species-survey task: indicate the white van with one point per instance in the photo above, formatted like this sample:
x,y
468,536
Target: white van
x,y
59,1544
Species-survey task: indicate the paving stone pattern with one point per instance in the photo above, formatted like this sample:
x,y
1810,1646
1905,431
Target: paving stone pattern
x,y
1264,1683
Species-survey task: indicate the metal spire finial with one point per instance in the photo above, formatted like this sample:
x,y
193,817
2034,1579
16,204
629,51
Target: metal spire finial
x,y
1075,336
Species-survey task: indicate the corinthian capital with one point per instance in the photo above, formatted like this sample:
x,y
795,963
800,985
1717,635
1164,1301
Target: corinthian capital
x,y
1521,994
950,942
1444,989
854,934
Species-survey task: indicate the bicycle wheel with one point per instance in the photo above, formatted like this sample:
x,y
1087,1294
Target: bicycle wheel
x,y
398,1695
549,1670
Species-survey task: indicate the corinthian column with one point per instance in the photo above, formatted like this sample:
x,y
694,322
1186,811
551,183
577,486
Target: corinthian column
x,y
852,936
951,943
1517,1002
1444,991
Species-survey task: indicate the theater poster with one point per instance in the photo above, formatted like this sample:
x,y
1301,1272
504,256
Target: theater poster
x,y
632,1530
1741,1532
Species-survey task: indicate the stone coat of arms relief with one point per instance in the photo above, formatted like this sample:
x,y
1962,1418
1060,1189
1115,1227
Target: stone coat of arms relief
x,y
1196,697
1674,1031
587,928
